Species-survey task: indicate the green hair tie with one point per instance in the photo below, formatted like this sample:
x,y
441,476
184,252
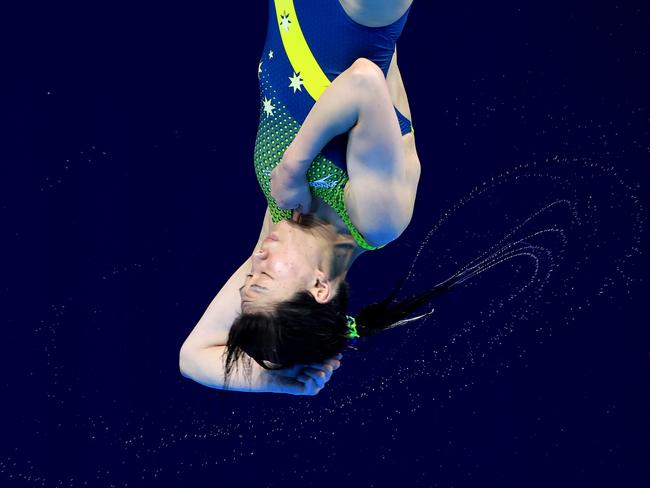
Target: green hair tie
x,y
352,328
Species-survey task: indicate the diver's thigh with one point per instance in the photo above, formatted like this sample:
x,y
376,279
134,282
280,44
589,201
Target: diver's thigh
x,y
375,142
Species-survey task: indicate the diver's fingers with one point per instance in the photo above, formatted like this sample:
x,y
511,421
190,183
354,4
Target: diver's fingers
x,y
320,377
311,386
303,378
323,370
327,366
335,363
311,375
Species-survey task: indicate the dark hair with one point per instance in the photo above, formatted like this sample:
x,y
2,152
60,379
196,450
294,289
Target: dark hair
x,y
303,331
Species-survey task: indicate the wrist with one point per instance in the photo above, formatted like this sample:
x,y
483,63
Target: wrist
x,y
295,166
264,381
270,384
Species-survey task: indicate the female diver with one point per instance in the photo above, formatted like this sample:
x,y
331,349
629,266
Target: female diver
x,y
337,163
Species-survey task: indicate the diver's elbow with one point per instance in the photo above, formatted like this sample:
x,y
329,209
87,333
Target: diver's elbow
x,y
185,362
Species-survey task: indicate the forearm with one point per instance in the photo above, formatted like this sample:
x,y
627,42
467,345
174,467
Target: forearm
x,y
334,113
206,366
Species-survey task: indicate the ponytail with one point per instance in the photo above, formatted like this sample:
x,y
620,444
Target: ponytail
x,y
390,313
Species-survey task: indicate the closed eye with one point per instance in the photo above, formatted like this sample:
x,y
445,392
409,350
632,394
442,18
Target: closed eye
x,y
263,272
255,287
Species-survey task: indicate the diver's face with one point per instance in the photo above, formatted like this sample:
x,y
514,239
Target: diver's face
x,y
288,260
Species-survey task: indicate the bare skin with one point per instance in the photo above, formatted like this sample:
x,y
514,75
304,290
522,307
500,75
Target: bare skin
x,y
384,170
291,259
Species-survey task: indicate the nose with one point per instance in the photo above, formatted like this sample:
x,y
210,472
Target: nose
x,y
260,255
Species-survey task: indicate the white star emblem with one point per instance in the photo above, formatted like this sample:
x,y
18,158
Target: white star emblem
x,y
270,54
259,69
284,23
296,82
268,107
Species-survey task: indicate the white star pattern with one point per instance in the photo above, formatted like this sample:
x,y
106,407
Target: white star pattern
x,y
270,54
296,82
259,69
268,107
284,23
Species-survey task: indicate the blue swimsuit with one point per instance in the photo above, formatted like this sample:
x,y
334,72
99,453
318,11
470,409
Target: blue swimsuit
x,y
308,44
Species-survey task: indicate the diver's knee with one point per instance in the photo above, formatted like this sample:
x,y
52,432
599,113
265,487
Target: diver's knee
x,y
367,74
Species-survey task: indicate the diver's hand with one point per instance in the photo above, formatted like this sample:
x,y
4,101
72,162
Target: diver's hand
x,y
289,186
302,379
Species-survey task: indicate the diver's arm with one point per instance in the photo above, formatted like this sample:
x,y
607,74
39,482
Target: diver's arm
x,y
200,357
383,176
205,366
338,110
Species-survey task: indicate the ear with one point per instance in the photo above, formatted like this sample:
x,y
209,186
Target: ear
x,y
322,289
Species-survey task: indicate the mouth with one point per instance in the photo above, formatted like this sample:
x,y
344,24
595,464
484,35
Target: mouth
x,y
271,237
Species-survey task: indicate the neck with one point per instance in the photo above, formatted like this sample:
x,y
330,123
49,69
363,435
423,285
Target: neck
x,y
345,251
345,245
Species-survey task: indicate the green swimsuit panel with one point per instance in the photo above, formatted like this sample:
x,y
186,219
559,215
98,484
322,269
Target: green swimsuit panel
x,y
327,181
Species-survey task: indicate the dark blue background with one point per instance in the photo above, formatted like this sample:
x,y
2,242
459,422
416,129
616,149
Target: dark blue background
x,y
128,196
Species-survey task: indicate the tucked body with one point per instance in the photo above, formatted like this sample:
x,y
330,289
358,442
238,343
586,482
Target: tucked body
x,y
366,107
